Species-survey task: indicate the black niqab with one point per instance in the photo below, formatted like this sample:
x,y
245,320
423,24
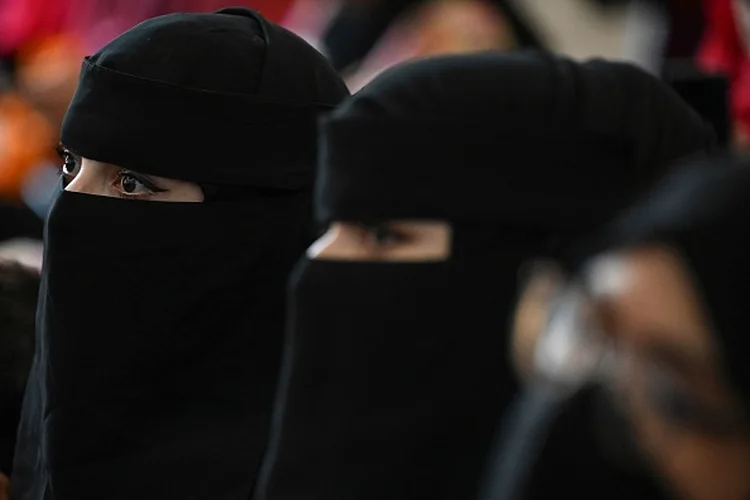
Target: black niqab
x,y
397,374
160,324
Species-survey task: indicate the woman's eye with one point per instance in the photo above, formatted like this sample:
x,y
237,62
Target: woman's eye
x,y
70,165
382,235
129,184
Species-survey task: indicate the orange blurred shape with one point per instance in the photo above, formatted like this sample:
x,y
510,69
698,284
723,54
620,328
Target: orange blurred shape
x,y
48,73
26,139
30,116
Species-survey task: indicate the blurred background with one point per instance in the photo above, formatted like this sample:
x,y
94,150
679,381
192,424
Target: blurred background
x,y
699,46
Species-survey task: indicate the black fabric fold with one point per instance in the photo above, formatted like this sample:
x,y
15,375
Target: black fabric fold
x,y
461,159
207,131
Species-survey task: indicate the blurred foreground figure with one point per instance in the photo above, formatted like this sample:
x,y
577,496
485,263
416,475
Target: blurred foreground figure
x,y
437,180
664,306
183,202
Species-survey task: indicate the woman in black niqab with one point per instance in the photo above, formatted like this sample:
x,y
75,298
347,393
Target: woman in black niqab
x,y
159,325
397,369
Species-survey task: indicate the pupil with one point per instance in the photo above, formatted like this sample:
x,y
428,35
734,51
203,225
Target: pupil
x,y
68,166
129,184
381,234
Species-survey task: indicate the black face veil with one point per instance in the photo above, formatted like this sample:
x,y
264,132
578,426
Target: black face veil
x,y
396,374
160,324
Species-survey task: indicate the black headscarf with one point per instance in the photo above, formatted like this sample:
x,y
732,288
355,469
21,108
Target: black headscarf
x,y
396,374
160,324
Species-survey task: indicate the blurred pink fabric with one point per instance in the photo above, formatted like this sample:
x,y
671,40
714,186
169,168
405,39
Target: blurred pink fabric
x,y
22,21
96,22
